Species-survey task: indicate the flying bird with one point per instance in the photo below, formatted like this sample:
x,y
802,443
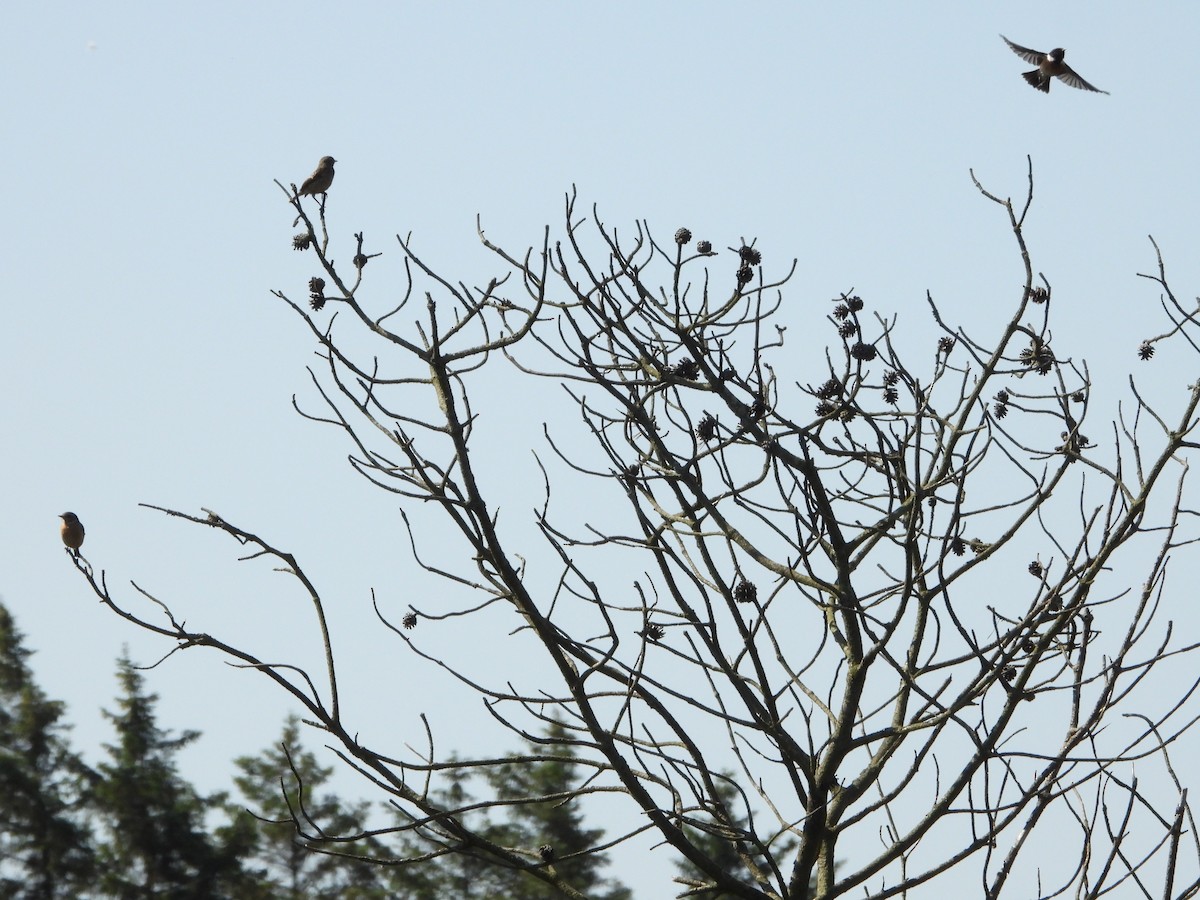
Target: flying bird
x,y
72,532
321,178
1049,65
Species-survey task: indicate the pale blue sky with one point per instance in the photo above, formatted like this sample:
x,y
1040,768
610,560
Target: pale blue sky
x,y
144,359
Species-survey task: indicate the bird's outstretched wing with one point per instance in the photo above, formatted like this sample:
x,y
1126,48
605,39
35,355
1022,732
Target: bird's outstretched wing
x,y
1071,77
1030,56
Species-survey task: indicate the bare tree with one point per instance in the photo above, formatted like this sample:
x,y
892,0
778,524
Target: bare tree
x,y
896,611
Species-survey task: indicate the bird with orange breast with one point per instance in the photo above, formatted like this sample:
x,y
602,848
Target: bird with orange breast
x,y
72,532
1049,65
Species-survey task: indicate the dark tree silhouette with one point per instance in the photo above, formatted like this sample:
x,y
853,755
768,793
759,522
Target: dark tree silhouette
x,y
285,784
555,825
538,792
713,841
45,839
913,598
155,841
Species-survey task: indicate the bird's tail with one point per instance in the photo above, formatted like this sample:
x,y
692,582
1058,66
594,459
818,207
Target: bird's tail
x,y
1036,80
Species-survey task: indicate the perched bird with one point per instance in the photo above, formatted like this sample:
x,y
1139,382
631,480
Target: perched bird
x,y
72,531
321,178
1049,65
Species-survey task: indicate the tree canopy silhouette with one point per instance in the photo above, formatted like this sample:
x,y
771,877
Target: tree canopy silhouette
x,y
863,622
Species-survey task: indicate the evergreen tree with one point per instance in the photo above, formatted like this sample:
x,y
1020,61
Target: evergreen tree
x,y
156,842
287,864
552,826
45,849
720,845
462,873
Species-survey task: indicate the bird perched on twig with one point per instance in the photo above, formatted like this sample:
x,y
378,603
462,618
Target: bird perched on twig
x,y
1049,65
320,180
72,532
